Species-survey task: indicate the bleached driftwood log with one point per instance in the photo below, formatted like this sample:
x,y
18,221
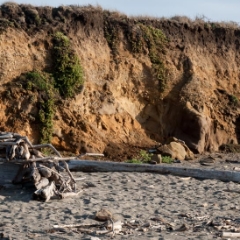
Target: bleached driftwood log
x,y
231,234
97,166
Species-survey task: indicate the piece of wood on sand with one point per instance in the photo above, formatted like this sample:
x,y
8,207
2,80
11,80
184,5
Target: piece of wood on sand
x,y
46,192
231,234
100,166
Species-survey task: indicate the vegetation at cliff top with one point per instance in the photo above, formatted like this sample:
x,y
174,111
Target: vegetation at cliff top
x,y
27,16
141,36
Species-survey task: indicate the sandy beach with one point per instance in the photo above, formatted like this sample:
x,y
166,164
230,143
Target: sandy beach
x,y
152,206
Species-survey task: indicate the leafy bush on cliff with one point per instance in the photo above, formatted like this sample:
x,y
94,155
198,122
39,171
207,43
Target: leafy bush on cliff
x,y
66,79
68,73
142,37
43,84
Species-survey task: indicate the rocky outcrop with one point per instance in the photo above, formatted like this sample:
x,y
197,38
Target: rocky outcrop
x,y
176,149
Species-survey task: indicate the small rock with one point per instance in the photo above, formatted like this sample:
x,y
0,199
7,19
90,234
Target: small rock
x,y
176,161
207,161
182,228
2,197
89,184
204,204
146,225
153,162
174,150
103,214
157,158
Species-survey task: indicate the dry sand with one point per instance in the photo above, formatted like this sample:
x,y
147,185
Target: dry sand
x,y
134,197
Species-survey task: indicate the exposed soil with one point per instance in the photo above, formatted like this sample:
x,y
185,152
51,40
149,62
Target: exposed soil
x,y
120,109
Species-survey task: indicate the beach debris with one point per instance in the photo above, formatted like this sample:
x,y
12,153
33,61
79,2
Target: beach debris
x,y
108,227
231,234
219,226
49,174
113,227
76,225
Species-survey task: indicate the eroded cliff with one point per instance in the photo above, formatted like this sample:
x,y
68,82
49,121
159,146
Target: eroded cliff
x,y
144,79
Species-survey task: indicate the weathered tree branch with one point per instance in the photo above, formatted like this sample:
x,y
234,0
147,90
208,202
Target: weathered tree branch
x,y
97,166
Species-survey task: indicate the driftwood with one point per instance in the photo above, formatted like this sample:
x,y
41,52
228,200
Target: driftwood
x,y
45,171
44,182
45,192
78,225
97,166
112,227
69,194
44,159
41,171
231,234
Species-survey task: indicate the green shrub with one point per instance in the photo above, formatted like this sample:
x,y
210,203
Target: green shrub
x,y
167,159
140,37
43,84
68,73
134,160
66,80
5,24
143,157
39,80
154,40
233,99
111,32
46,114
